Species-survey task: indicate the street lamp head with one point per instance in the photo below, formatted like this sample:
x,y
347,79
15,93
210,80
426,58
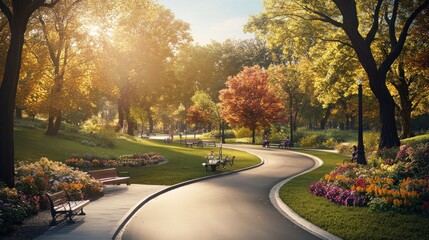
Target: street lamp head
x,y
359,81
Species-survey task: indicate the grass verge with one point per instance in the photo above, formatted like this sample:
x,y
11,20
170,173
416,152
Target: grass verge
x,y
183,164
348,222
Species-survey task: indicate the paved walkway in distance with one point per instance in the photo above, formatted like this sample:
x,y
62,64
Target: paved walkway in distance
x,y
103,215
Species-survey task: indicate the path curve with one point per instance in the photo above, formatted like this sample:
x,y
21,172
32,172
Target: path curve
x,y
235,206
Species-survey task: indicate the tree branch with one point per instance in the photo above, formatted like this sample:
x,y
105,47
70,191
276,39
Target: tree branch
x,y
391,23
336,40
371,34
324,17
6,11
402,37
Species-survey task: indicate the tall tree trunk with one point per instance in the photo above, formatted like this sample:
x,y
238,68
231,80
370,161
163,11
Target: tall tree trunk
x,y
130,121
325,118
253,135
405,105
8,90
54,123
50,130
120,125
150,119
18,113
57,125
407,125
17,16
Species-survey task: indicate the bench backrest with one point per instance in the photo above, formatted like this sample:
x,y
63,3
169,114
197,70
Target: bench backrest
x,y
104,173
58,198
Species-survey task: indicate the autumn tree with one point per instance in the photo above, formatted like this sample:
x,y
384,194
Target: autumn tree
x,y
356,25
249,101
203,101
17,13
196,117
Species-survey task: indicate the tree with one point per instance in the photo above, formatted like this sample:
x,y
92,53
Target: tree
x,y
355,25
145,38
17,13
408,77
249,101
203,102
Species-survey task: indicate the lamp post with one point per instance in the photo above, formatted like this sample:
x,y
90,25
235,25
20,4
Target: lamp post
x,y
360,151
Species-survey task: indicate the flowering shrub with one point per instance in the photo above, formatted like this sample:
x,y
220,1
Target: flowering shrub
x,y
14,208
32,181
130,160
399,183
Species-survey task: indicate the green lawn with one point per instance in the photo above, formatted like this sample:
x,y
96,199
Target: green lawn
x,y
348,222
183,163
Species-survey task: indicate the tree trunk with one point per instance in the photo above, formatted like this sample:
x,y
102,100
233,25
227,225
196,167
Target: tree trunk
x,y
57,125
253,135
7,99
120,125
325,118
50,130
406,123
18,113
130,129
150,119
54,124
389,134
405,105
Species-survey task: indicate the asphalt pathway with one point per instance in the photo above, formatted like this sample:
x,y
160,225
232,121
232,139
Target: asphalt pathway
x,y
235,206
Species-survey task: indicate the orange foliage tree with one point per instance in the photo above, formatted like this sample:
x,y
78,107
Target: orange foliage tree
x,y
249,101
196,116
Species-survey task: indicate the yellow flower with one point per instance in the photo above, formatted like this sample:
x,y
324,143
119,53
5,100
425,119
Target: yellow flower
x,y
397,202
327,177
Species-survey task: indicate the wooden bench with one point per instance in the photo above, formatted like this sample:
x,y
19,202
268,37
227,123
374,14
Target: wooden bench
x,y
109,176
213,163
282,144
209,143
194,142
62,204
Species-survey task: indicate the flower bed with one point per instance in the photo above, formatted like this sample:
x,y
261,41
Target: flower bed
x,y
130,160
399,183
32,181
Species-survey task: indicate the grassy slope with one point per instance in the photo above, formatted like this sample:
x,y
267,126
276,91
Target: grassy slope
x,y
348,222
183,163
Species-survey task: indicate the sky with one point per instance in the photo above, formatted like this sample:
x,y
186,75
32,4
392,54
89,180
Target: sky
x,y
216,20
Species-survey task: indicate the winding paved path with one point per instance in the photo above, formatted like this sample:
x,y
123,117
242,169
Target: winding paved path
x,y
235,206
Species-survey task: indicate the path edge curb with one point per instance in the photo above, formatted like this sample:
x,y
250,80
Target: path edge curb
x,y
292,215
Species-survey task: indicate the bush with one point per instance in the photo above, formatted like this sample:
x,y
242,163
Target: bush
x,y
104,138
371,141
242,132
344,148
229,133
313,141
25,123
244,140
329,144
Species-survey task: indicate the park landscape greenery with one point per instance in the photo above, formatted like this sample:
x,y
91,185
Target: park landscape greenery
x,y
92,72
